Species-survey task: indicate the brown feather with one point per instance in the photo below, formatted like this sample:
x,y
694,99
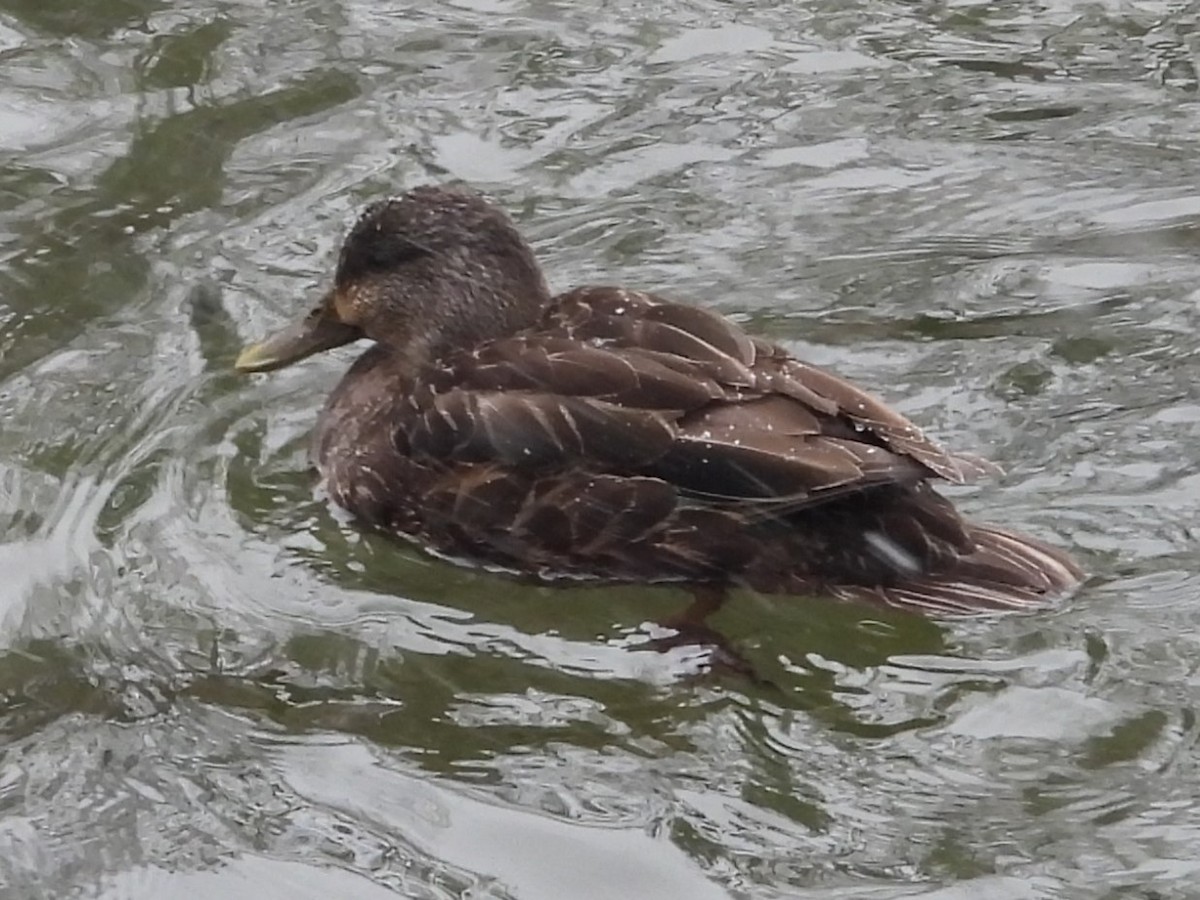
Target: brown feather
x,y
527,430
619,436
629,438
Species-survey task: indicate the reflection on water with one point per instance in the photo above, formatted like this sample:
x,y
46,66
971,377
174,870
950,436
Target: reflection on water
x,y
211,684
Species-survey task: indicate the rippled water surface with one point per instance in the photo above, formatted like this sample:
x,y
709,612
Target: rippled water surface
x,y
211,685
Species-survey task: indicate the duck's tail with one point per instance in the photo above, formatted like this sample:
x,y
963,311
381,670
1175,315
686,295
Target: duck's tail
x,y
1006,572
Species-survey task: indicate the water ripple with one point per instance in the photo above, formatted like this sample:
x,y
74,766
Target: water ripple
x,y
211,683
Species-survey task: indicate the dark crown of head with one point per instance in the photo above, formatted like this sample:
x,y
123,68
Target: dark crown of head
x,y
424,222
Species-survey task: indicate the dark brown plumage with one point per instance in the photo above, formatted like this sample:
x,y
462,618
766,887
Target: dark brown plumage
x,y
612,434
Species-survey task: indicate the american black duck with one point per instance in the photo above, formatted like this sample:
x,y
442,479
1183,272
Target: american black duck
x,y
609,433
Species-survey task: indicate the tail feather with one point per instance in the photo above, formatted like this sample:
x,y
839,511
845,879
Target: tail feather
x,y
1006,572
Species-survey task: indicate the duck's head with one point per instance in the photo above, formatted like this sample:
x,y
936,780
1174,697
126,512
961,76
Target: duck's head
x,y
436,269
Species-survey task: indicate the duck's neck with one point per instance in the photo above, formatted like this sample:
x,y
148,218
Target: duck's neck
x,y
463,314
354,445
363,407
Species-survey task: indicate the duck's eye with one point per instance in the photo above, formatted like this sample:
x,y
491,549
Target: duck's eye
x,y
376,253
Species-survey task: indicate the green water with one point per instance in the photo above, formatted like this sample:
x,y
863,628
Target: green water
x,y
211,685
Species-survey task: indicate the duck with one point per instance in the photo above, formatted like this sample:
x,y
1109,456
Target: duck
x,y
613,435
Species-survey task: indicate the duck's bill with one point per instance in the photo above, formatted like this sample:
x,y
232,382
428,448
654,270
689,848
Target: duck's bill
x,y
317,332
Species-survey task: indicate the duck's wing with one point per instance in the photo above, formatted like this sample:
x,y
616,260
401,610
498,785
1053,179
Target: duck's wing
x,y
618,382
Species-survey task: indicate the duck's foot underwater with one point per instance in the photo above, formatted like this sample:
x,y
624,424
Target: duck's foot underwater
x,y
689,628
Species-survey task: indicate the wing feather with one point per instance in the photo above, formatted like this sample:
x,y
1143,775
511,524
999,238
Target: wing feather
x,y
622,382
532,430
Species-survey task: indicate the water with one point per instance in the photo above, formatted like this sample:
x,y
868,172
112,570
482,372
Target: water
x,y
212,686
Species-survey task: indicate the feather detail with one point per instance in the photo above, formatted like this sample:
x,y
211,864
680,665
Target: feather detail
x,y
627,438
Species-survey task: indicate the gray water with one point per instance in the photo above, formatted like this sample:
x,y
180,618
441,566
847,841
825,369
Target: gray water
x,y
212,685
